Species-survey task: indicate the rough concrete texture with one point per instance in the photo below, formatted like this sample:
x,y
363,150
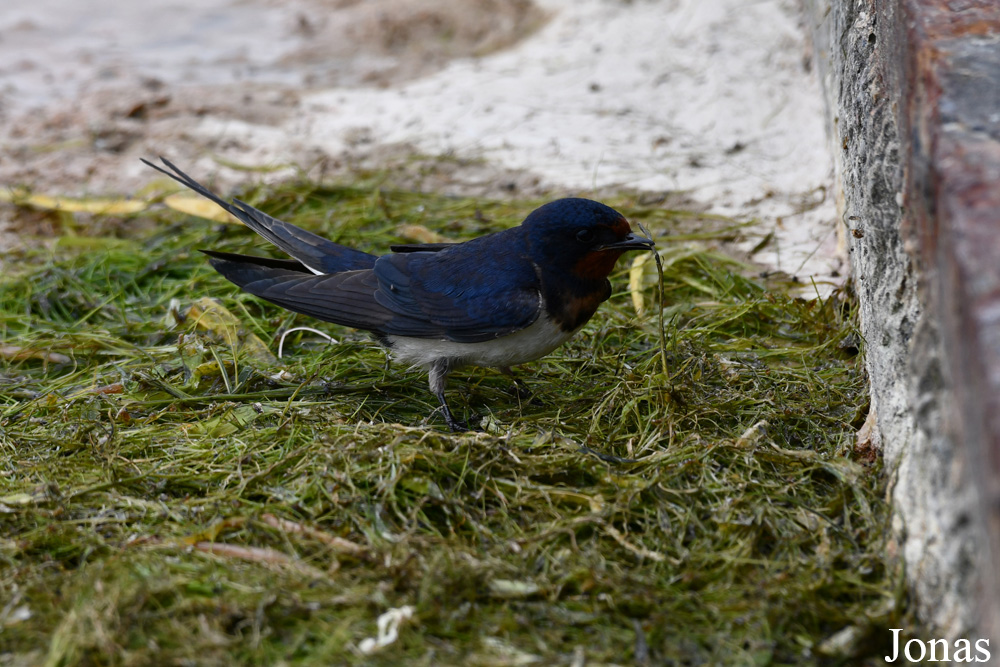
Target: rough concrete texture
x,y
951,112
913,93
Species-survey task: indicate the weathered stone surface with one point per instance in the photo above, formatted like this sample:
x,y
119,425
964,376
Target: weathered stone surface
x,y
952,114
913,93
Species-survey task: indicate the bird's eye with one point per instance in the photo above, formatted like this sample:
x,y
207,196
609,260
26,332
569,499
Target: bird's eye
x,y
585,235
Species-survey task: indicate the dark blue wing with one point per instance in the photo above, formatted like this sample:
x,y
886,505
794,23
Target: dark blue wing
x,y
471,292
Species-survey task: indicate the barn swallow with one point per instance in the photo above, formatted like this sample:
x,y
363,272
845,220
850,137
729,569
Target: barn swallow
x,y
498,300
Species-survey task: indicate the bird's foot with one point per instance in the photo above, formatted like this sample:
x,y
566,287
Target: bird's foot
x,y
456,425
437,375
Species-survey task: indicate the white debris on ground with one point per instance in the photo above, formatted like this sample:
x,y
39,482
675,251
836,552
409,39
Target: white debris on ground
x,y
388,630
710,98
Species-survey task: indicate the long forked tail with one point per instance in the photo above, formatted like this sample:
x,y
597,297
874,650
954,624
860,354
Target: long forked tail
x,y
346,297
314,252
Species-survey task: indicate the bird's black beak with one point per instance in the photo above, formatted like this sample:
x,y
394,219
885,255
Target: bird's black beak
x,y
631,242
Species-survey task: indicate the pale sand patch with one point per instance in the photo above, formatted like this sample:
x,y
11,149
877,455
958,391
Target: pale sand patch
x,y
710,98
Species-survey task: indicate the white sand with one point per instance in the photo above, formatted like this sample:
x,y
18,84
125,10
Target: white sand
x,y
710,97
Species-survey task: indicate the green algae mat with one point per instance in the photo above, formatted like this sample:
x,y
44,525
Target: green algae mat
x,y
677,485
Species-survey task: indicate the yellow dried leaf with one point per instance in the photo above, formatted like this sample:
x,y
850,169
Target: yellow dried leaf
x,y
198,206
420,234
214,317
641,276
103,206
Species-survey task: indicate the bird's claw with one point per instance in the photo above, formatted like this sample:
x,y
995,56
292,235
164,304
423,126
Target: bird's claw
x,y
456,425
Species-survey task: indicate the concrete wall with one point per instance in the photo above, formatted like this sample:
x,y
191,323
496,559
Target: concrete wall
x,y
886,80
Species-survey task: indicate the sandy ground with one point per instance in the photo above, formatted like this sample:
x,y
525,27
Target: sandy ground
x,y
714,99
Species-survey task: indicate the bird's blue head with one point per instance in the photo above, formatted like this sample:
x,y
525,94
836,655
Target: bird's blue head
x,y
580,238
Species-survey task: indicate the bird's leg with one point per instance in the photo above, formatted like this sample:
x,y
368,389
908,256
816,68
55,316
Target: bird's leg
x,y
520,389
455,425
437,377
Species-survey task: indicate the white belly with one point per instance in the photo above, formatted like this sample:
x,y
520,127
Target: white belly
x,y
522,346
